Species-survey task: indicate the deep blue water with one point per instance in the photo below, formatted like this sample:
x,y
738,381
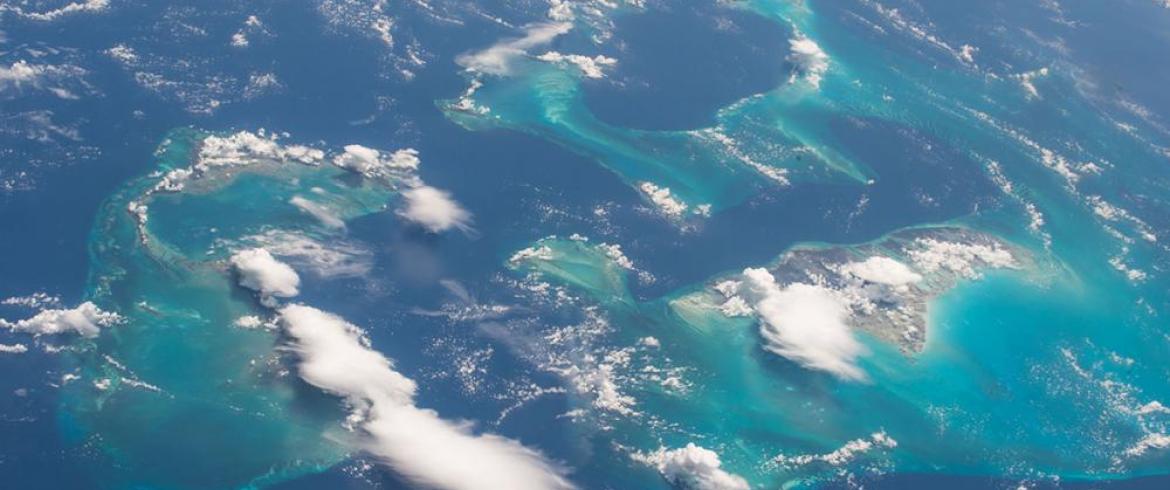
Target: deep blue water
x,y
678,65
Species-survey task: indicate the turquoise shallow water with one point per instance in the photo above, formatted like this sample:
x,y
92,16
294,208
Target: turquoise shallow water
x,y
1011,360
210,382
879,128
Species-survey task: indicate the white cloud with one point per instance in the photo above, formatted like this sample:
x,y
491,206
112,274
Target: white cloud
x,y
123,54
434,209
249,322
245,147
86,319
881,270
844,454
804,323
810,60
38,300
1150,441
590,67
21,74
240,40
374,163
261,272
967,53
337,258
71,8
240,149
1027,81
959,258
693,467
13,348
497,60
669,204
415,442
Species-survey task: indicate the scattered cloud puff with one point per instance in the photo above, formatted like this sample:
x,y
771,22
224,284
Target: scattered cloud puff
x,y
86,319
373,163
251,24
22,74
261,272
693,468
962,259
589,67
434,210
967,53
498,59
804,323
882,270
13,348
667,202
811,61
68,9
1027,81
419,445
1150,441
844,454
245,146
38,300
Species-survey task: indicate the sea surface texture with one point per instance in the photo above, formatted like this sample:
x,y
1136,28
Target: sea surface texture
x,y
584,244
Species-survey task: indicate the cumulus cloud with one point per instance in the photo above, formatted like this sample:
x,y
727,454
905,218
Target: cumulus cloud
x,y
693,467
245,147
497,60
804,323
811,61
86,319
882,270
261,272
374,163
434,210
415,442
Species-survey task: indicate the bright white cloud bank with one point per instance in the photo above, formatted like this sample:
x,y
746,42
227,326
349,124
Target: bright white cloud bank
x,y
416,442
694,468
261,272
86,319
434,209
804,323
